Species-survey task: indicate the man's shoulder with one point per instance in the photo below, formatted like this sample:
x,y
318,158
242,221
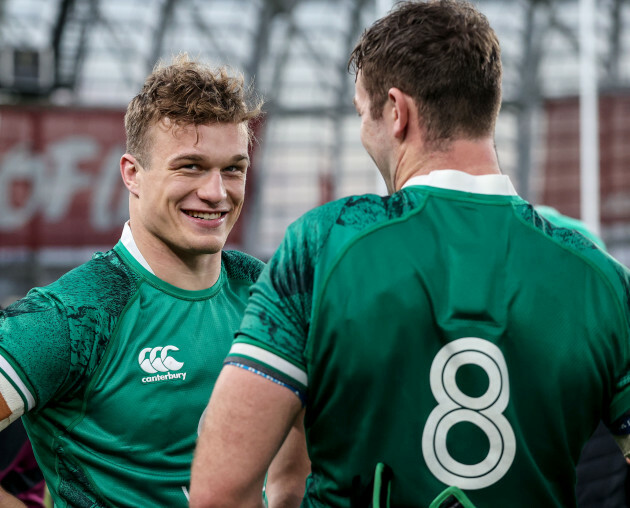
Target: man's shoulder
x,y
347,217
583,247
105,281
358,211
571,234
350,209
241,266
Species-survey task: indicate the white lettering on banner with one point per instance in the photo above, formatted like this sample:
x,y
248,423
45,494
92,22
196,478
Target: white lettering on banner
x,y
67,179
102,215
55,178
19,164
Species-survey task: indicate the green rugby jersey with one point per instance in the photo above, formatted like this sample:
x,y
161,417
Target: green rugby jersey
x,y
447,331
116,367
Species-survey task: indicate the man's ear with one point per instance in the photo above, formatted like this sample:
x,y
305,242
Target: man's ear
x,y
129,172
400,111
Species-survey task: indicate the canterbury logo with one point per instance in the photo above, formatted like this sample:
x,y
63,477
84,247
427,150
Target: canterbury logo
x,y
158,360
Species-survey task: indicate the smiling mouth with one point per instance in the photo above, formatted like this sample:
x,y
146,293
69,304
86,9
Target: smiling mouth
x,y
205,215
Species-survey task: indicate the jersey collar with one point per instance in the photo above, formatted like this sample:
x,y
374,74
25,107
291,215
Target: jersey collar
x,y
460,181
130,244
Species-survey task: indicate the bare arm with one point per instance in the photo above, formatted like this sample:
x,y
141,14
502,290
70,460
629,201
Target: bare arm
x,y
624,444
247,421
5,413
286,478
9,501
11,406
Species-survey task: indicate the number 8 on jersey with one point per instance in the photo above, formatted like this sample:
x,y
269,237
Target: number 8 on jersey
x,y
484,411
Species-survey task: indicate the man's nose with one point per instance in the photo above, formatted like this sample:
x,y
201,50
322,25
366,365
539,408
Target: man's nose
x,y
211,187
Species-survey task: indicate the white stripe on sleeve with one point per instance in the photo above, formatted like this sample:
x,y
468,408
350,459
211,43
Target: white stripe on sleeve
x,y
270,359
10,372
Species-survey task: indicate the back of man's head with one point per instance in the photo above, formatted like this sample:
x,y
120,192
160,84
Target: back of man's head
x,y
187,92
442,53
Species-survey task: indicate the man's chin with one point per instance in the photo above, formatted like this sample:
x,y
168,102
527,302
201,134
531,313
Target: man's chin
x,y
209,249
202,248
207,244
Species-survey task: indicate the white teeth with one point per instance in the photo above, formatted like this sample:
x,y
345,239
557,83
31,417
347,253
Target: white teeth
x,y
204,215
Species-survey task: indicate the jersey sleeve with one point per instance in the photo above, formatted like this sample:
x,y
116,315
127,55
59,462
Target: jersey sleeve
x,y
275,332
35,349
272,338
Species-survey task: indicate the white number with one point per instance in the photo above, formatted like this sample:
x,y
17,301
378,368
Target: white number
x,y
484,411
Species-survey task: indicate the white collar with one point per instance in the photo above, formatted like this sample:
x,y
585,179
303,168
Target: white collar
x,y
465,182
130,244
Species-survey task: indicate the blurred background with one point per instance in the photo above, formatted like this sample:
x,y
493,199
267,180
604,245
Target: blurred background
x,y
68,68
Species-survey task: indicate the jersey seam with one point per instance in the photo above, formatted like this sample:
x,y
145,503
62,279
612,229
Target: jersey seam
x,y
163,287
621,314
458,195
60,305
362,234
114,338
93,484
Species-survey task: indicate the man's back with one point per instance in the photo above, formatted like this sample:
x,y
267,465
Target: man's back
x,y
517,355
446,331
462,341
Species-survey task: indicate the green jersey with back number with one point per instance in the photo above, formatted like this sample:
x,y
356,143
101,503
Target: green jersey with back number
x,y
447,331
118,370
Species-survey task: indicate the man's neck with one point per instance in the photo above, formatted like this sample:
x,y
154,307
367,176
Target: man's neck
x,y
475,157
192,272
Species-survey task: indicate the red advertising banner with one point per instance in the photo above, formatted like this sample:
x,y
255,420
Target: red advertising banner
x,y
60,183
562,161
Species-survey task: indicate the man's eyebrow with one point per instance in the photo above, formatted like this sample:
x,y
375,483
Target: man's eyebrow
x,y
188,157
195,157
240,157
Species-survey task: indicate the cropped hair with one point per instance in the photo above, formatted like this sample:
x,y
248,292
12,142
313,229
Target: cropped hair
x,y
443,54
187,92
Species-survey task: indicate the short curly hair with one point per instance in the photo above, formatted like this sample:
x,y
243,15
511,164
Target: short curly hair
x,y
442,53
187,92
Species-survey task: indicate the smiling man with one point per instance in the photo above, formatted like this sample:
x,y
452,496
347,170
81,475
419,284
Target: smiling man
x,y
113,364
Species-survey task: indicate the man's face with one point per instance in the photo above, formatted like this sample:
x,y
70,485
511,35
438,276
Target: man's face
x,y
373,132
191,191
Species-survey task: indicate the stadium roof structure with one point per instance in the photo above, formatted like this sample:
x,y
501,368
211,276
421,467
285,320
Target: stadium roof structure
x,y
97,53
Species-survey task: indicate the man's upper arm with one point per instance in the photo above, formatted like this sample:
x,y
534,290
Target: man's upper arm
x,y
11,404
247,420
273,334
286,478
35,354
15,396
9,501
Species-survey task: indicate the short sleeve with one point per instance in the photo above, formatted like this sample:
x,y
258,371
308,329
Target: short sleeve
x,y
35,345
272,337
